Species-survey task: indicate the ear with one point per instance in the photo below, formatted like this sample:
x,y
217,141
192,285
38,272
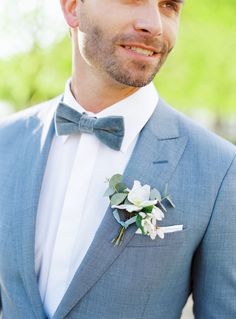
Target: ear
x,y
69,8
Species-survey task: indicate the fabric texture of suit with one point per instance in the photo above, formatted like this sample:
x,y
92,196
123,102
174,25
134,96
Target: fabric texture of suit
x,y
141,278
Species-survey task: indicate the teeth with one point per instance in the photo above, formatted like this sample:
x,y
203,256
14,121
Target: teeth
x,y
141,51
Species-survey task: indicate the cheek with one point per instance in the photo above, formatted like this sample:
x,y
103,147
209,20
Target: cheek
x,y
170,34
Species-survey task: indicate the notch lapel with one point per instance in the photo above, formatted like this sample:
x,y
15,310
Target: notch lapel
x,y
154,159
39,133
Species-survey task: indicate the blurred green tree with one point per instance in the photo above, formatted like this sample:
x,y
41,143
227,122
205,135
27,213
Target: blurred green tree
x,y
35,76
202,71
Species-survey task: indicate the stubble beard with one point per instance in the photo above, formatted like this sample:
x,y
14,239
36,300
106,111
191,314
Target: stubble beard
x,y
101,53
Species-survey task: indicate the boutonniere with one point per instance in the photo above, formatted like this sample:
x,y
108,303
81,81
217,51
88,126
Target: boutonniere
x,y
141,205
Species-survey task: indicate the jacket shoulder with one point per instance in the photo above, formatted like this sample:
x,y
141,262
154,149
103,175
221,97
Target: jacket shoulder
x,y
38,110
13,126
202,143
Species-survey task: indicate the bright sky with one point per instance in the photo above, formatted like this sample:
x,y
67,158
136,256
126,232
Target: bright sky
x,y
16,19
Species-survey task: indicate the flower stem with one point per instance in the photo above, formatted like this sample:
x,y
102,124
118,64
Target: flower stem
x,y
118,239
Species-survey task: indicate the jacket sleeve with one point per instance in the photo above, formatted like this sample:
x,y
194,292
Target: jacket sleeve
x,y
214,266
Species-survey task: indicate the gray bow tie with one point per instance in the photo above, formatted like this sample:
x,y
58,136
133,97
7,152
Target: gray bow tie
x,y
109,130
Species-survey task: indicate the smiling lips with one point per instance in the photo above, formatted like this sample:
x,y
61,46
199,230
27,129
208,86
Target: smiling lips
x,y
141,51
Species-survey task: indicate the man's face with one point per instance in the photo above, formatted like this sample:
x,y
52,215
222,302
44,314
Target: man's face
x,y
127,40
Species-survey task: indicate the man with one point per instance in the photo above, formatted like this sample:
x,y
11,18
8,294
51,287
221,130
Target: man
x,y
57,259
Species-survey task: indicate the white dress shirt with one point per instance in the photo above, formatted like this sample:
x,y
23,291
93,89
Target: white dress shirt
x,y
71,204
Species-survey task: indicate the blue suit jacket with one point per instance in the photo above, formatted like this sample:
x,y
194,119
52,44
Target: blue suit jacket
x,y
142,278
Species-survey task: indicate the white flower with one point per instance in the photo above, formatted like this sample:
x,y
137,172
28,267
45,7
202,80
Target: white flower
x,y
153,235
142,214
160,232
154,232
144,211
138,197
149,227
157,213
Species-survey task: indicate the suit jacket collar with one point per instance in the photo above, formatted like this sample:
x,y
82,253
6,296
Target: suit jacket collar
x,y
154,159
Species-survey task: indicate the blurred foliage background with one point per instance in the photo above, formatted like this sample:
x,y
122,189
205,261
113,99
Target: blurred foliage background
x,y
202,70
199,75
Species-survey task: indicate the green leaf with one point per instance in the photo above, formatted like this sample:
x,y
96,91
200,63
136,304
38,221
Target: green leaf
x,y
110,191
138,221
147,209
127,202
142,229
155,194
115,179
168,198
130,221
117,217
121,187
166,190
118,198
163,207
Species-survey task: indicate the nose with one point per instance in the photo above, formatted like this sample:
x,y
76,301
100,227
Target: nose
x,y
149,21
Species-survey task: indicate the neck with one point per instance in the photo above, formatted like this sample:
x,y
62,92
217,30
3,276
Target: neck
x,y
94,93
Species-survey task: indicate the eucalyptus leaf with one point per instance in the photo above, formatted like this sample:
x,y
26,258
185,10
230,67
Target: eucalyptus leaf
x,y
155,194
118,198
166,190
130,221
163,207
127,202
110,191
117,217
168,198
121,187
116,179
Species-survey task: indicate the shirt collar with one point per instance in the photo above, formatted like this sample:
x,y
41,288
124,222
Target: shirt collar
x,y
136,110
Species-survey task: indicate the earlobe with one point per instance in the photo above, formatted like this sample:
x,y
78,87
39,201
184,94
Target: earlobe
x,y
69,8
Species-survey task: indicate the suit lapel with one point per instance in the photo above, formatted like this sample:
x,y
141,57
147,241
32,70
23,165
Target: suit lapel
x,y
38,137
154,159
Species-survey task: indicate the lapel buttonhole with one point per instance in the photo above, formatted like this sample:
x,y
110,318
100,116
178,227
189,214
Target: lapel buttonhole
x,y
160,162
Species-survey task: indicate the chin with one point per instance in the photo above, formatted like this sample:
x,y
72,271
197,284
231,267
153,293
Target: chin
x,y
128,79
